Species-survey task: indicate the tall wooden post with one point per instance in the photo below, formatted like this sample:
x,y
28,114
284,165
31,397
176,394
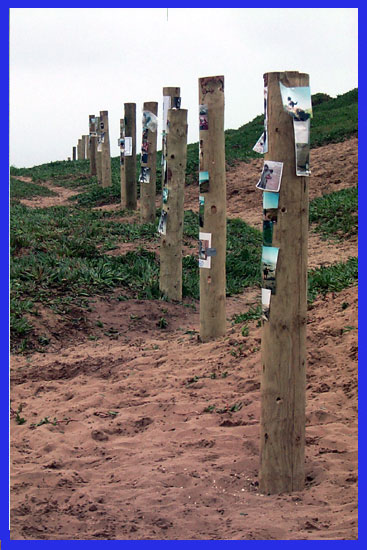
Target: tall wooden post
x,y
169,95
212,191
148,188
92,145
80,149
282,433
129,196
74,153
170,281
85,145
122,162
99,151
106,155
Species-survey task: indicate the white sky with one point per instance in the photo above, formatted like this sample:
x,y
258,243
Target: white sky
x,y
67,63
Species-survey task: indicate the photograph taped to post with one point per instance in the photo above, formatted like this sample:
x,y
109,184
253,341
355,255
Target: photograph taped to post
x,y
166,106
150,121
268,232
203,117
269,260
201,210
203,182
297,101
205,242
259,145
302,146
176,103
270,206
271,176
128,146
265,303
162,225
144,176
265,146
144,158
165,193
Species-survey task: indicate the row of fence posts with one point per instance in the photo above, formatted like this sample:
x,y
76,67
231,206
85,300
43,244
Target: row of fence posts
x,y
282,431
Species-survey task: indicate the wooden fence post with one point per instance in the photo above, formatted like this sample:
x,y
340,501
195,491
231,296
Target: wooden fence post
x,y
92,145
212,192
106,155
80,149
122,161
282,425
148,163
85,145
170,281
129,195
74,153
169,95
99,151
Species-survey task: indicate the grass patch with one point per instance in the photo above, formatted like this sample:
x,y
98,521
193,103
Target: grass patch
x,y
23,190
333,278
335,215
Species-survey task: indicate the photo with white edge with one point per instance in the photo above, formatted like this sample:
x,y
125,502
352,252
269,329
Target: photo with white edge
x,y
128,146
265,303
297,101
302,146
271,176
205,242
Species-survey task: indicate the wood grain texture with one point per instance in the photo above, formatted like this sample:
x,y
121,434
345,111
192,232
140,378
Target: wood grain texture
x,y
129,196
106,154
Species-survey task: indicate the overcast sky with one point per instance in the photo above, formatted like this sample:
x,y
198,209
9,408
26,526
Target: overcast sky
x,y
67,63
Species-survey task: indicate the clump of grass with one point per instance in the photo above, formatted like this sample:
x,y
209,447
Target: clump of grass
x,y
335,215
333,278
26,190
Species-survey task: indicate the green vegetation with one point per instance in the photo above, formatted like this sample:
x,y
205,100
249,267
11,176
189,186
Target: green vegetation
x,y
335,215
22,190
333,278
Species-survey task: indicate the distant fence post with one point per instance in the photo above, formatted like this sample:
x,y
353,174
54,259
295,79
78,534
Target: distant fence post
x,y
129,196
170,281
282,424
122,162
74,153
212,201
169,101
85,145
99,151
92,145
148,163
106,155
80,149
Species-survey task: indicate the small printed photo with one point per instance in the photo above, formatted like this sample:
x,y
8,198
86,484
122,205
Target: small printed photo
x,y
270,206
176,103
268,267
144,174
93,134
145,134
150,121
267,232
205,240
271,176
203,182
297,101
201,210
165,195
145,146
144,158
265,303
102,137
92,120
203,117
128,146
121,142
302,145
162,225
166,106
99,147
259,145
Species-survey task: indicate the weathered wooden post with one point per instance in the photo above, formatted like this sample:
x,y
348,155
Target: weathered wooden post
x,y
171,98
106,155
170,281
148,163
74,153
80,149
212,192
129,195
92,144
85,145
99,151
282,432
122,161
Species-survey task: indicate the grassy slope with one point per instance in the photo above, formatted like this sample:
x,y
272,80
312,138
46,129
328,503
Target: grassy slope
x,y
58,253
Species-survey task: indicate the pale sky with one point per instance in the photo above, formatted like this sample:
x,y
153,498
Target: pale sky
x,y
67,63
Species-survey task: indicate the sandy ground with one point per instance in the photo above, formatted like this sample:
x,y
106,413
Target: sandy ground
x,y
142,443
